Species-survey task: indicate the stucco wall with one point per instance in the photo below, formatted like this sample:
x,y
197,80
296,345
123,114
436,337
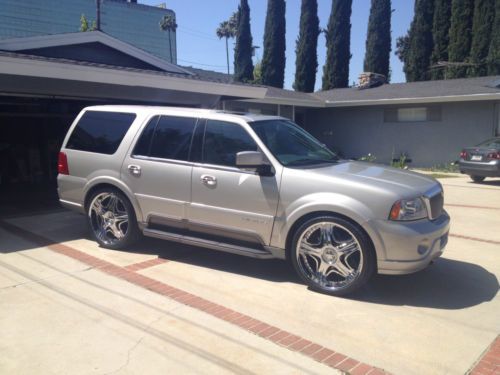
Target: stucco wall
x,y
357,131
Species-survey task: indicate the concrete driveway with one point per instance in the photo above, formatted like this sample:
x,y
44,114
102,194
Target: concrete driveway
x,y
68,306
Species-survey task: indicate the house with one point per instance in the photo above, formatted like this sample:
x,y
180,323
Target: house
x,y
429,122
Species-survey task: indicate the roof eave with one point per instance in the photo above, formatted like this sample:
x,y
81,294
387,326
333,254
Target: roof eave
x,y
422,100
60,70
281,101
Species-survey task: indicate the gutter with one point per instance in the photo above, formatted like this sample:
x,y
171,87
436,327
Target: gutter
x,y
422,100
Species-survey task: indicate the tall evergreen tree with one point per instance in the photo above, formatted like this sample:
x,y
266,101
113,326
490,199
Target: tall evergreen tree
x,y
273,61
419,43
460,36
338,45
243,65
306,63
441,35
378,39
494,51
482,23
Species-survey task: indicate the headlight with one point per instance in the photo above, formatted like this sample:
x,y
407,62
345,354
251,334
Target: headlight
x,y
408,209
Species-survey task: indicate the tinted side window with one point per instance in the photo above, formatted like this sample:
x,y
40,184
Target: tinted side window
x,y
172,138
223,140
100,132
144,143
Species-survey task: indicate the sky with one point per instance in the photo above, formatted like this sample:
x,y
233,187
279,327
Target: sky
x,y
198,45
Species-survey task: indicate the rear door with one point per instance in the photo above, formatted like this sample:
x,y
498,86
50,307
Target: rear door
x,y
158,170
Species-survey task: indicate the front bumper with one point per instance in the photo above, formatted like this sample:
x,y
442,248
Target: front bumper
x,y
482,169
411,246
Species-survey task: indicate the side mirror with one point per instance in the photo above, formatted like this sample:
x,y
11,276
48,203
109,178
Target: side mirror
x,y
253,160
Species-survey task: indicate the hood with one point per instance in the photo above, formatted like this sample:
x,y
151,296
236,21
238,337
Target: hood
x,y
406,183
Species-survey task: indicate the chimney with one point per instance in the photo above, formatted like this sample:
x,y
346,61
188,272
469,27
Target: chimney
x,y
369,80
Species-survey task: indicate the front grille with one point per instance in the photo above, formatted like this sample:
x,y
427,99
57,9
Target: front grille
x,y
436,203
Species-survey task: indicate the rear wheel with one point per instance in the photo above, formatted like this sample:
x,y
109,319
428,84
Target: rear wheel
x,y
332,255
477,178
111,218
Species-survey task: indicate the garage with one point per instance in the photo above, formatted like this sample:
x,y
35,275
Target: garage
x,y
44,85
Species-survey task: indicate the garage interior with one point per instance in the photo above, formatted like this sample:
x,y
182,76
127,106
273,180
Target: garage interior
x,y
32,131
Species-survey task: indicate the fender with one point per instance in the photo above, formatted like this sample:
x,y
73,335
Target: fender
x,y
324,202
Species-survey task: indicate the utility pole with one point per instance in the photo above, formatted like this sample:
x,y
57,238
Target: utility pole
x,y
98,16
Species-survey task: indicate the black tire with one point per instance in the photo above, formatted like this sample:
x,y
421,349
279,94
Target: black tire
x,y
127,232
304,263
477,178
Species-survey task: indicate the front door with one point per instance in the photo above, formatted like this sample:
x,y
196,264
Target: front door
x,y
228,201
158,170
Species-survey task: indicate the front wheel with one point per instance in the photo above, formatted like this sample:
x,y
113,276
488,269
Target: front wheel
x,y
332,255
111,218
477,178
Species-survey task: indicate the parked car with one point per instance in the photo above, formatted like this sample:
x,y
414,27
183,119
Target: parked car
x,y
248,184
482,160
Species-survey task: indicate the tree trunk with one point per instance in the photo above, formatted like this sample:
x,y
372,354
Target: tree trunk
x,y
227,56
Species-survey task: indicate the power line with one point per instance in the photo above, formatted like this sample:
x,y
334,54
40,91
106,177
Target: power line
x,y
197,63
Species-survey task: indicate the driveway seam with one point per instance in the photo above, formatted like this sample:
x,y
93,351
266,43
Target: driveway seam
x,y
268,332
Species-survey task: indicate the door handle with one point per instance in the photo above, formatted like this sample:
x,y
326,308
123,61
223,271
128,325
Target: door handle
x,y
134,170
208,180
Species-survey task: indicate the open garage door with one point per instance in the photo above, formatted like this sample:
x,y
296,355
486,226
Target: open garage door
x,y
31,132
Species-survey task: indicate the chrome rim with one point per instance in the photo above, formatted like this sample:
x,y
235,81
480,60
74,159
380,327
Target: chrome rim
x,y
329,255
108,218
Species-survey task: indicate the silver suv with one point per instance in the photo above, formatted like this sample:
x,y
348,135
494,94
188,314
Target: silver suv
x,y
253,185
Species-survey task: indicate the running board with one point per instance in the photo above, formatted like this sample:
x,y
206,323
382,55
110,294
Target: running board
x,y
214,245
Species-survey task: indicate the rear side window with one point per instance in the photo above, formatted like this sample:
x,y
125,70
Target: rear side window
x,y
100,132
166,137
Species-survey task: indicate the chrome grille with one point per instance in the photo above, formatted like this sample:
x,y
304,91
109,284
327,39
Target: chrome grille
x,y
434,201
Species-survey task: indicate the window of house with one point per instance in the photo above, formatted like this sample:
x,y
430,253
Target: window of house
x,y
412,114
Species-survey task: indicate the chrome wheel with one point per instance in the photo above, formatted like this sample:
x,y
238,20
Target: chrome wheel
x,y
108,218
329,255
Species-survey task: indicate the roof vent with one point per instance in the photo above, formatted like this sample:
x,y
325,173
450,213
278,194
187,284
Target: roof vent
x,y
368,80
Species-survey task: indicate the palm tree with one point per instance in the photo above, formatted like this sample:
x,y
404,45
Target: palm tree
x,y
227,29
167,23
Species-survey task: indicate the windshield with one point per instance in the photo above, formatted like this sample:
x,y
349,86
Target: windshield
x,y
292,145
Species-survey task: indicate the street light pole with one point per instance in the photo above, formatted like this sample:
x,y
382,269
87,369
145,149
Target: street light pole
x,y
98,16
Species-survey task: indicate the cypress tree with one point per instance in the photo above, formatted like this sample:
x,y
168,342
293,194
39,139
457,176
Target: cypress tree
x,y
243,65
482,22
420,44
460,36
378,39
338,44
273,60
306,63
441,36
494,51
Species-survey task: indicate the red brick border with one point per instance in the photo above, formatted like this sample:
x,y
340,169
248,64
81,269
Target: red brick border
x,y
146,264
489,363
274,334
475,239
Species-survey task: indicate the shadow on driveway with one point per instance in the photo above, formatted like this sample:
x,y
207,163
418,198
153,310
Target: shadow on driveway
x,y
447,284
